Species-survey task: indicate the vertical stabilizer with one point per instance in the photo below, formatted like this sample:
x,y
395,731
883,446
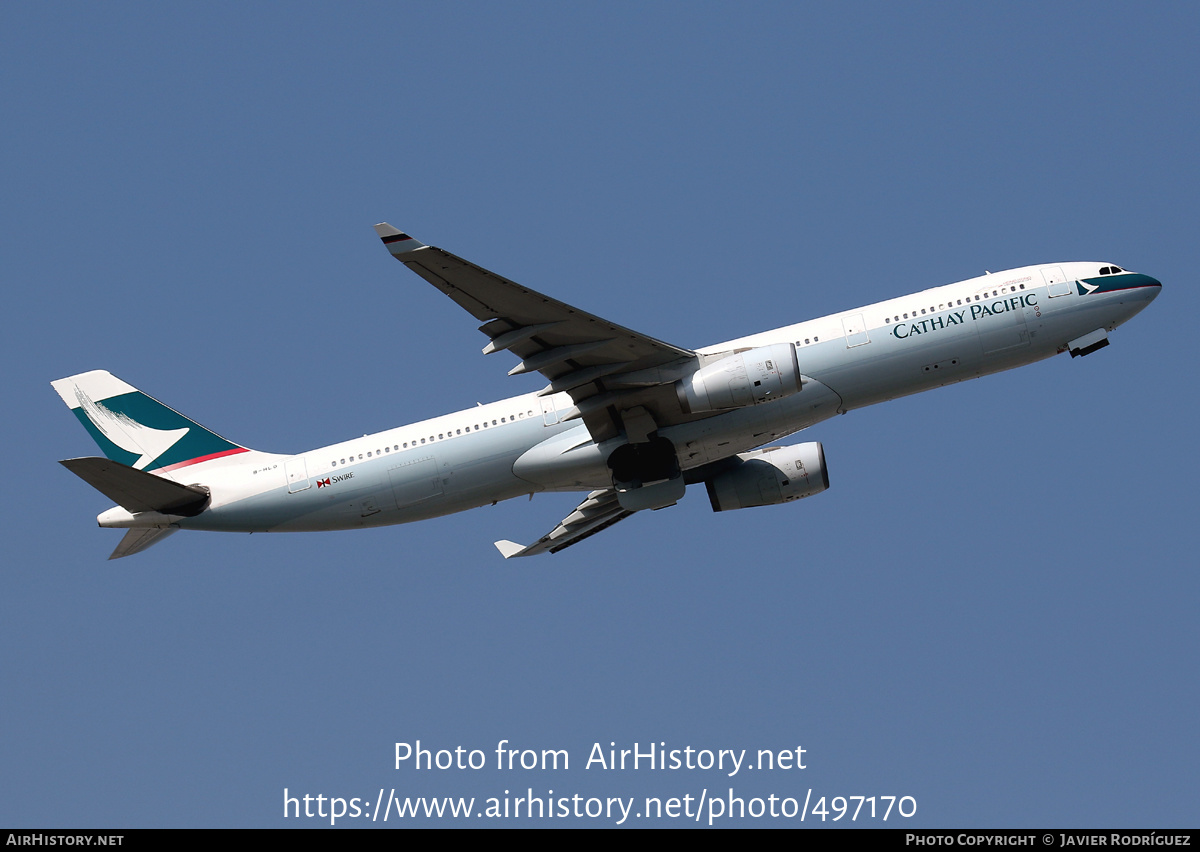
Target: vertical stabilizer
x,y
138,430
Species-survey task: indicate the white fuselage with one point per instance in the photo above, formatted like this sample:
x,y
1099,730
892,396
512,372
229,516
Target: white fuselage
x,y
519,445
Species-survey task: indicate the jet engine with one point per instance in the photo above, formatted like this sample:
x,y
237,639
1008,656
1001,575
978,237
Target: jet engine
x,y
767,477
744,378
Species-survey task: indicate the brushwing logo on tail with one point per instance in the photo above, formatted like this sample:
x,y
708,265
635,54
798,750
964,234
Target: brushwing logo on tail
x,y
127,433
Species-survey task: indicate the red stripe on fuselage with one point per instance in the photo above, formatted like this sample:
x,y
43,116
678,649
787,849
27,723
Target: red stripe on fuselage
x,y
209,457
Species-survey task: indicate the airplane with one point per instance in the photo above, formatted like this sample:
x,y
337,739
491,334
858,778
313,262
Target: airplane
x,y
628,419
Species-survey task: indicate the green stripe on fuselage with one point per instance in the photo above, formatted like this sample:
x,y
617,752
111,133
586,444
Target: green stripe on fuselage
x,y
1111,283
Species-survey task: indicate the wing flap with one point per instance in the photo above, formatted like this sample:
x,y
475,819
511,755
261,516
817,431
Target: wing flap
x,y
598,511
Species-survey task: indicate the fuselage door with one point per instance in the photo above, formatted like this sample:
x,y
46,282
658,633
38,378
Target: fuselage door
x,y
856,330
1056,283
549,412
297,474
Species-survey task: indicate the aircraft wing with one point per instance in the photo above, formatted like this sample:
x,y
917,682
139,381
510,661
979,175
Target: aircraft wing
x,y
599,511
607,370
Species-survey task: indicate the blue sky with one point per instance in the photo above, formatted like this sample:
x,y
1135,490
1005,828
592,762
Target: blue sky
x,y
992,609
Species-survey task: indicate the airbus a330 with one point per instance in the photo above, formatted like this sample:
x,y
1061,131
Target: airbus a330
x,y
627,419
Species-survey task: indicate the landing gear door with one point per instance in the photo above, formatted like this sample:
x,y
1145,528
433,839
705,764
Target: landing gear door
x,y
414,481
1056,283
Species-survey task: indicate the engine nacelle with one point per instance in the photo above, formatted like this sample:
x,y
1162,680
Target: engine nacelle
x,y
746,378
767,477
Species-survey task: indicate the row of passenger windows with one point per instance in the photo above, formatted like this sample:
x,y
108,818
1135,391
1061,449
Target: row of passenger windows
x,y
441,436
806,341
977,298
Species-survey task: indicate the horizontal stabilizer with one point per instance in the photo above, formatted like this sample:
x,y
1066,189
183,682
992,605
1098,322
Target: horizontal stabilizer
x,y
138,491
137,540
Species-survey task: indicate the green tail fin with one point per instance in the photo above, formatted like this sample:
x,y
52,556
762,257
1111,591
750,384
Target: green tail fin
x,y
138,430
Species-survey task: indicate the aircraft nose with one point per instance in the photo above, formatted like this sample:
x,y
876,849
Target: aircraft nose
x,y
1144,290
1147,287
1150,287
